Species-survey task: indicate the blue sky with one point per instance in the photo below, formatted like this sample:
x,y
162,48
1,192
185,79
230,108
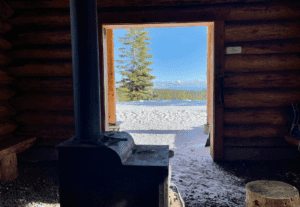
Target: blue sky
x,y
180,55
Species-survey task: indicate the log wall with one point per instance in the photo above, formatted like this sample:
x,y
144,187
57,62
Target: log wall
x,y
259,84
7,111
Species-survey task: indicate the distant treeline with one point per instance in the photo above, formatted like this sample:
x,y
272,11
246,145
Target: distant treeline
x,y
169,94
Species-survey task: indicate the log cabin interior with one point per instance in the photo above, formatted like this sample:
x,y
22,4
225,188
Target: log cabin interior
x,y
250,91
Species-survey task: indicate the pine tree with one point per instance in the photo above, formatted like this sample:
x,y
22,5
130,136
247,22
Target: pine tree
x,y
136,82
183,96
167,96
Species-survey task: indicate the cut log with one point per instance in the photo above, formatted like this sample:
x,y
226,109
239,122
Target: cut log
x,y
6,93
236,98
45,84
8,156
19,4
5,45
4,26
247,131
271,142
47,132
44,38
5,10
7,126
4,59
272,116
235,32
46,118
46,69
5,79
44,101
236,12
266,193
41,53
6,109
268,47
260,63
288,79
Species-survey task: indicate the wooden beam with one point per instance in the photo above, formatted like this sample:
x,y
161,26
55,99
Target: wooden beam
x,y
6,92
46,69
48,53
46,118
5,79
256,98
255,142
236,12
216,136
5,45
6,109
7,126
19,4
111,77
261,63
239,32
285,79
125,26
209,59
273,116
5,10
4,26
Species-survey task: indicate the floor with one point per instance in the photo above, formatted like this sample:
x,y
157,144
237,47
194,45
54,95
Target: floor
x,y
201,182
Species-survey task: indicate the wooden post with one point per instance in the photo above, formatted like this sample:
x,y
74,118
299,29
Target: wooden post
x,y
111,77
209,44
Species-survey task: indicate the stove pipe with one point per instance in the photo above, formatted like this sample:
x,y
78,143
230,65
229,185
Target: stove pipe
x,y
86,76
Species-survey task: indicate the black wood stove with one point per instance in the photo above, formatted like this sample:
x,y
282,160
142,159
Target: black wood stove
x,y
102,168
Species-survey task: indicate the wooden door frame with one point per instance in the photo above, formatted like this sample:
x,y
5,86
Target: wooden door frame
x,y
215,107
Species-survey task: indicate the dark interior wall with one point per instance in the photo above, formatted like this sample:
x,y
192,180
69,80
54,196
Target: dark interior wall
x,y
259,84
7,125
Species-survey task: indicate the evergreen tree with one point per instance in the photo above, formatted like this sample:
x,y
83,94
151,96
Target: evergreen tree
x,y
136,80
167,96
183,96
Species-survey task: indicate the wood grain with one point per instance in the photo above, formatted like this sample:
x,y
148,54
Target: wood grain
x,y
6,109
45,84
4,59
5,45
42,69
5,79
52,101
41,53
4,26
237,98
259,63
46,118
5,10
269,47
19,4
238,32
251,130
255,142
7,126
273,116
6,92
263,80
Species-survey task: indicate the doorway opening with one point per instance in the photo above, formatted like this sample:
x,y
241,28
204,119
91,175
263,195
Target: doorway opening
x,y
111,93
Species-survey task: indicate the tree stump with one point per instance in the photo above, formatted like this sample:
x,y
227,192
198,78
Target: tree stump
x,y
265,193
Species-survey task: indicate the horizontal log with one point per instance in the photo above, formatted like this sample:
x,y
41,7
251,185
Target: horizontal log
x,y
41,53
45,84
46,69
247,131
46,132
255,142
5,10
4,26
44,38
46,118
237,98
211,12
50,142
259,63
263,80
5,79
5,45
19,4
273,116
235,32
6,92
4,59
6,109
7,126
44,101
268,47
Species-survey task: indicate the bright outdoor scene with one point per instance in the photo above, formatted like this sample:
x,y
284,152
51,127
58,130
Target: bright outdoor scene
x,y
161,87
